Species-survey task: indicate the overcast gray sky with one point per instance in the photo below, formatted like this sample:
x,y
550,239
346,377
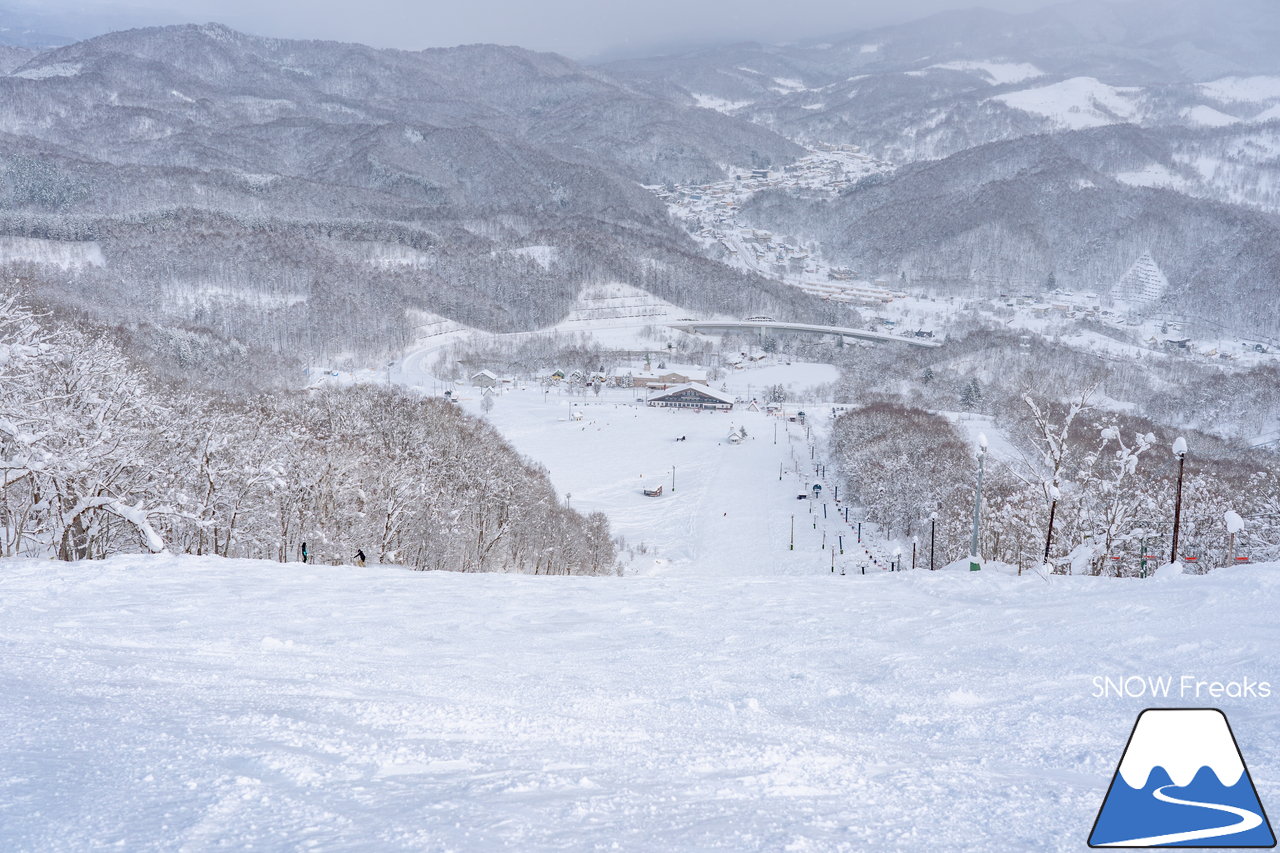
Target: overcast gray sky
x,y
579,28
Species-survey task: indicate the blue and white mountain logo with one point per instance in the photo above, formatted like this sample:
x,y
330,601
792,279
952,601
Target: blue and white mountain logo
x,y
1182,782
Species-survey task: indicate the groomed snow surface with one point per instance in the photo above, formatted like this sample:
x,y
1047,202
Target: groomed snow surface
x,y
192,703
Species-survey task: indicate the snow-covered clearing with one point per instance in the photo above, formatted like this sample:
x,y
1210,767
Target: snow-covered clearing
x,y
1153,175
995,73
387,255
1253,90
723,105
194,293
543,256
1077,103
45,72
1208,116
66,255
192,703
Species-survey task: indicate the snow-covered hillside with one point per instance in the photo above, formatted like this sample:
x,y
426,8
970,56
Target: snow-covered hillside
x,y
159,703
1076,103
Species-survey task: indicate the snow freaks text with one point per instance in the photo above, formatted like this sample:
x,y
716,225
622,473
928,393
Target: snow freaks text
x,y
1177,687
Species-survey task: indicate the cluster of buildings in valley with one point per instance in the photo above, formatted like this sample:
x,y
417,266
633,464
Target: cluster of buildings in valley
x,y
683,389
710,212
648,379
1136,302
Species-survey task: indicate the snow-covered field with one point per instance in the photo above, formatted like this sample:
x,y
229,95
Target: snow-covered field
x,y
197,703
730,513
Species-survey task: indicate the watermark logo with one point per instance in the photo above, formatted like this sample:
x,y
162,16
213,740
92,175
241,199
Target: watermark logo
x,y
1184,687
1182,782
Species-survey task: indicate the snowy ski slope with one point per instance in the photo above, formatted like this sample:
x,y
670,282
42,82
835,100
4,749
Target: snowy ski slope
x,y
159,703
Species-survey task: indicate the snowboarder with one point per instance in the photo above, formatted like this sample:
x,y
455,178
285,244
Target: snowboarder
x,y
304,552
360,558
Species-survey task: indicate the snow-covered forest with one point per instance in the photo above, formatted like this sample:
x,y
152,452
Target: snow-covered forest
x,y
98,459
1111,482
1057,409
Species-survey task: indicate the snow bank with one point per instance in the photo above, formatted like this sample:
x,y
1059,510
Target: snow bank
x,y
191,703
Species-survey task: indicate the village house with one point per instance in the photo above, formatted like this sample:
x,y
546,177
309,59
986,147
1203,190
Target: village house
x,y
691,396
484,379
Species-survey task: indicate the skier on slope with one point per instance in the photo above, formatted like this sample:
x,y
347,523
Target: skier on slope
x,y
304,552
360,558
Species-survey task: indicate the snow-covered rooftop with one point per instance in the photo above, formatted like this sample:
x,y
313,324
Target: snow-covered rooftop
x,y
686,386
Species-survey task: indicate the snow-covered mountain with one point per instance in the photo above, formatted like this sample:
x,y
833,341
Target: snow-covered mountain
x,y
1063,141
1015,215
933,87
201,160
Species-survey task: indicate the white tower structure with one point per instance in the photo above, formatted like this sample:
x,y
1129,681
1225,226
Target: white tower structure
x,y
1142,287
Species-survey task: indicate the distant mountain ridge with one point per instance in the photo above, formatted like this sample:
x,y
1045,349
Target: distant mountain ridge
x,y
352,189
1008,215
276,164
1064,140
933,87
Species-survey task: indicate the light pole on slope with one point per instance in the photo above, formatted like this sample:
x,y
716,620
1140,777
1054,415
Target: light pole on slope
x,y
975,563
1179,452
933,526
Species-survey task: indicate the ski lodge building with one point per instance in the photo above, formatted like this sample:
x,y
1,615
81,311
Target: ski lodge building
x,y
692,396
